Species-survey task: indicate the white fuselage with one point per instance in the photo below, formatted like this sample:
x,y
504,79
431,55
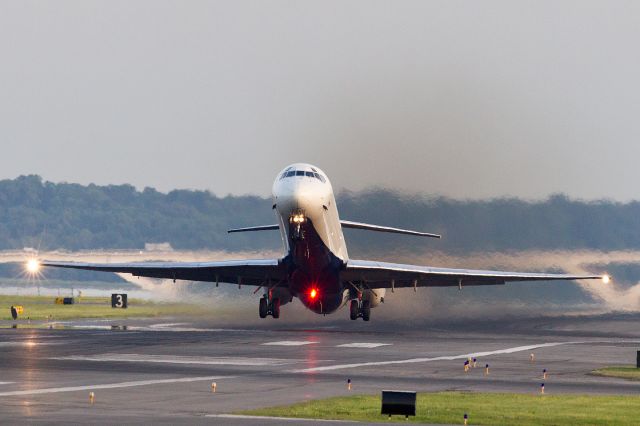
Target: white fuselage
x,y
312,236
314,197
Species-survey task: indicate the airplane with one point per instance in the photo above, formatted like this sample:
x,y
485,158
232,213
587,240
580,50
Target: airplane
x,y
316,267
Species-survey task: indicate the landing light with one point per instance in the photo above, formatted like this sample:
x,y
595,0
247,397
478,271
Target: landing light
x,y
606,279
33,266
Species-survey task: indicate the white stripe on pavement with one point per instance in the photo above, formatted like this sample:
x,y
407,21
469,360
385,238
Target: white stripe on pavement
x,y
178,359
112,385
290,343
363,345
439,358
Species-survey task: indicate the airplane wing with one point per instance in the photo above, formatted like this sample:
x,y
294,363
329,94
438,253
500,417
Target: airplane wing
x,y
378,228
255,228
250,272
388,275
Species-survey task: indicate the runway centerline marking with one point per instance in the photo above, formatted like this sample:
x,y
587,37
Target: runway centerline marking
x,y
6,383
290,343
178,359
113,385
363,345
439,358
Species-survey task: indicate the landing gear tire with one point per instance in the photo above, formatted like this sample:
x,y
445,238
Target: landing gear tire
x,y
353,310
360,309
266,308
366,310
263,308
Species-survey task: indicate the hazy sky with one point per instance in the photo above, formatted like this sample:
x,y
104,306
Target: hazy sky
x,y
462,98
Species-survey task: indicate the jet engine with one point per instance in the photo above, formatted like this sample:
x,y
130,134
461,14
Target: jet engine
x,y
282,294
374,297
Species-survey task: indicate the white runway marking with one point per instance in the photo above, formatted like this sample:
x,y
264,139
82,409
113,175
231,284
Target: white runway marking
x,y
290,343
171,324
285,419
179,359
5,383
113,385
156,328
363,345
439,358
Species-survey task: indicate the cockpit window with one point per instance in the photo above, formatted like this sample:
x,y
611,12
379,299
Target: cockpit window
x,y
288,173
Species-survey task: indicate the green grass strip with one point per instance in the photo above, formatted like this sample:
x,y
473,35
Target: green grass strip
x,y
41,307
483,409
624,372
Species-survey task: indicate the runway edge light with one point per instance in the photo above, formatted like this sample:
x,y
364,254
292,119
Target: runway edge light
x,y
32,266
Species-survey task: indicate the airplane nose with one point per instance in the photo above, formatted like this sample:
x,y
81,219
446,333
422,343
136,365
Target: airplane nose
x,y
301,195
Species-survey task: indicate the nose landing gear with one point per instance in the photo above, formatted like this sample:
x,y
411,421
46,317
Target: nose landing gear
x,y
360,309
296,220
269,307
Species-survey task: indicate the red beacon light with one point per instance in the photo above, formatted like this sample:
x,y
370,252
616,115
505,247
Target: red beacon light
x,y
313,293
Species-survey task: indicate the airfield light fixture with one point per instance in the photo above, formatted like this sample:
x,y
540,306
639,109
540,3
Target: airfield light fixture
x,y
313,293
606,279
33,266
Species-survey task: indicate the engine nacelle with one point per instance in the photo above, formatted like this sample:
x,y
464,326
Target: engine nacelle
x,y
282,294
375,297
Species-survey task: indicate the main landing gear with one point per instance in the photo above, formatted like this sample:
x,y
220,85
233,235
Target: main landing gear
x,y
360,308
269,307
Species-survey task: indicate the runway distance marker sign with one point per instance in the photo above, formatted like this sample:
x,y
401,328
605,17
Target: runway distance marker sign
x,y
119,300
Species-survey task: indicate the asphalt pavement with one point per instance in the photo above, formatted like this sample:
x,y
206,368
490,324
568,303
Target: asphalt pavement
x,y
162,370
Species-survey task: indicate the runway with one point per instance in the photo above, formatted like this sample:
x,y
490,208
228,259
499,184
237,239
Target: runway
x,y
161,370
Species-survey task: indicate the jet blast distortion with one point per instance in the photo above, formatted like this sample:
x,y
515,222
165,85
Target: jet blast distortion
x,y
315,266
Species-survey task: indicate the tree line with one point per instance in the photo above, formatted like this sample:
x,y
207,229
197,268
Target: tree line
x,y
40,214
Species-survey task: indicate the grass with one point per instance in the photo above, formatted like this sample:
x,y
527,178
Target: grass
x,y
483,409
41,307
624,372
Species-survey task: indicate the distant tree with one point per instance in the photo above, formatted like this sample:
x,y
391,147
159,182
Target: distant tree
x,y
36,213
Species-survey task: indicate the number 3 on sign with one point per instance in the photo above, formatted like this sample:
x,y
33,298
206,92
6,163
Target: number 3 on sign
x,y
119,301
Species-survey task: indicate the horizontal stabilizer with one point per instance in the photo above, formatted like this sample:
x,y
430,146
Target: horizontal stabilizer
x,y
358,225
256,228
